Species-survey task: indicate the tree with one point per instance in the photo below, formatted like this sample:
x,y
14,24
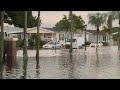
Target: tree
x,y
109,19
105,30
16,18
97,20
65,24
38,39
71,28
116,15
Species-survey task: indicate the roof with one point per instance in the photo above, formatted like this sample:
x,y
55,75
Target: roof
x,y
48,28
41,30
9,30
113,30
94,32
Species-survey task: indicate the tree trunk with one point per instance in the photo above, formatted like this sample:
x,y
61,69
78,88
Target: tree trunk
x,y
25,56
105,39
71,28
65,38
85,39
97,37
71,42
119,36
38,40
1,44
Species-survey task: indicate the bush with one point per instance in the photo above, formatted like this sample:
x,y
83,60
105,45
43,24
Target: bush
x,y
87,43
42,43
19,43
33,41
105,44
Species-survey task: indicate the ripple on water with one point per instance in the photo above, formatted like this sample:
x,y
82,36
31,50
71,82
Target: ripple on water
x,y
104,64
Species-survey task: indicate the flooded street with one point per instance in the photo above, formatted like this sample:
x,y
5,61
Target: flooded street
x,y
104,64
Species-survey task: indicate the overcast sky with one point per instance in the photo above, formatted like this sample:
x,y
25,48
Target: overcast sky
x,y
50,18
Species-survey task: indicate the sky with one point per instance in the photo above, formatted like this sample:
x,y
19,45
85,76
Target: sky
x,y
50,18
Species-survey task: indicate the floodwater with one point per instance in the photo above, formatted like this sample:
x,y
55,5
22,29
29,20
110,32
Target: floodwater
x,y
104,64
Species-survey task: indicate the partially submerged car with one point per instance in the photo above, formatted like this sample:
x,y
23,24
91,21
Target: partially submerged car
x,y
52,45
77,42
94,44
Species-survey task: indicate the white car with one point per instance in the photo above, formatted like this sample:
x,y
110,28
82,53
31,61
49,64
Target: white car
x,y
51,45
94,44
77,42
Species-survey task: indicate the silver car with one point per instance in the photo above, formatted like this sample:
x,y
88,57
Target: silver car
x,y
52,45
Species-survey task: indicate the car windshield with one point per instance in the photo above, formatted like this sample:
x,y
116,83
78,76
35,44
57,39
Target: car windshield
x,y
50,43
72,40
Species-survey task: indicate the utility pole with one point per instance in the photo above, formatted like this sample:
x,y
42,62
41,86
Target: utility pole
x,y
71,28
85,37
2,36
25,56
119,36
38,40
2,43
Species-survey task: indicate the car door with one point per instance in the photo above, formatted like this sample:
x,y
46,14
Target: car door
x,y
57,45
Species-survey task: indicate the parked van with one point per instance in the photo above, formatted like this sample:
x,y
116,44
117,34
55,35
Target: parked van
x,y
77,42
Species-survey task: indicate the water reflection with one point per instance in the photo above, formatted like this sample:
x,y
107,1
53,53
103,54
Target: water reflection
x,y
1,70
64,65
97,58
24,69
38,73
71,67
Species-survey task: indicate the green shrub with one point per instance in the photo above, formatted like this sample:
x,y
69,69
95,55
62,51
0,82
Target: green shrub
x,y
19,43
88,43
33,41
105,44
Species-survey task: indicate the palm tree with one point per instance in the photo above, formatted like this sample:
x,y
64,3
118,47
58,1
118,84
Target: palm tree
x,y
106,31
109,24
2,42
66,24
109,19
70,25
63,25
97,20
25,56
38,40
116,15
71,28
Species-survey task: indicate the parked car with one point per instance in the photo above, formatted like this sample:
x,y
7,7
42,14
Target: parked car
x,y
94,44
77,42
52,44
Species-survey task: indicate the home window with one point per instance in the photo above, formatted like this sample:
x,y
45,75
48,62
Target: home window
x,y
61,36
103,38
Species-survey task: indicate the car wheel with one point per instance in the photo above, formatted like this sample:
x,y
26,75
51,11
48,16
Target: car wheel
x,y
52,47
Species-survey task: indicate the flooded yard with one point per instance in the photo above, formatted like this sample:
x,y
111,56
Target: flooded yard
x,y
104,64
